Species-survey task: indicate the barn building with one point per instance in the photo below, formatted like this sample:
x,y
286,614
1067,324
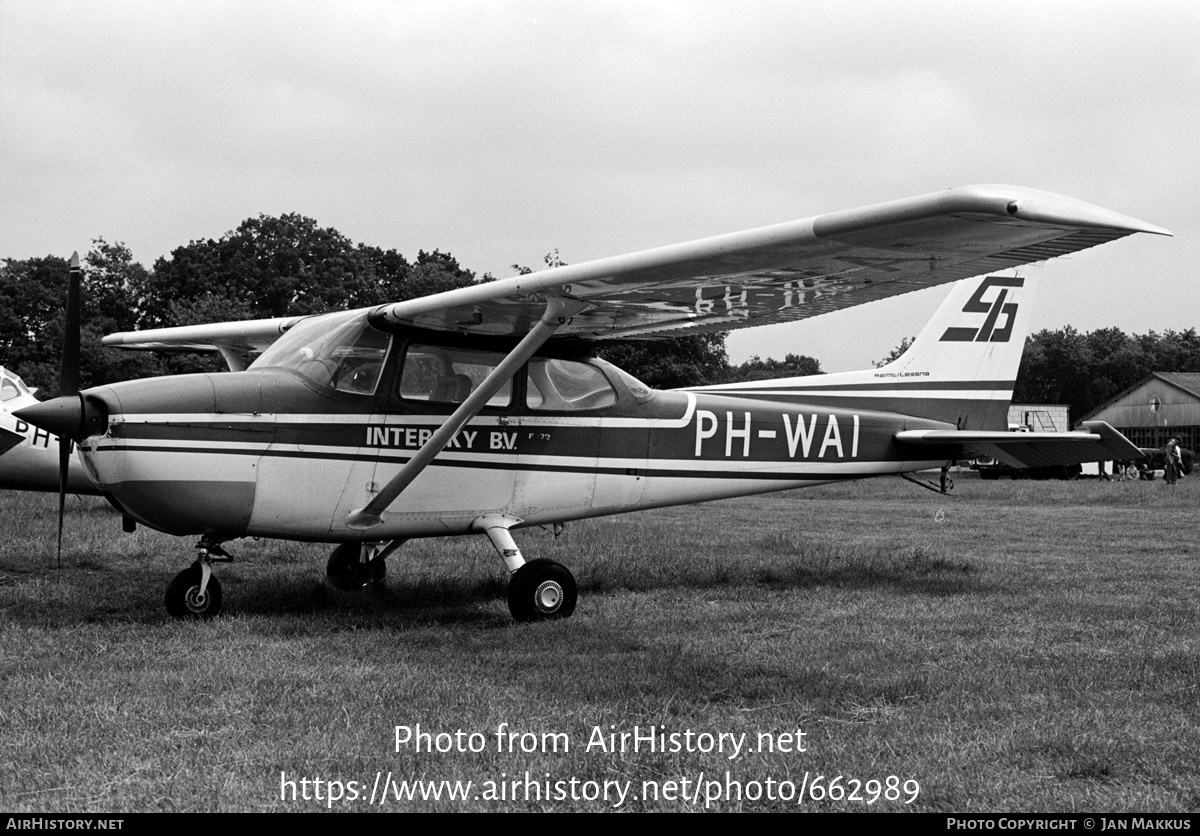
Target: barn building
x,y
1160,405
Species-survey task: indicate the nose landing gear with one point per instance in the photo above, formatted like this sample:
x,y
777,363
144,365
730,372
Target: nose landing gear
x,y
195,592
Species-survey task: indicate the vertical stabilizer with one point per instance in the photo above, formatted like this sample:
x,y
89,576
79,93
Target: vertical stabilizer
x,y
960,369
976,336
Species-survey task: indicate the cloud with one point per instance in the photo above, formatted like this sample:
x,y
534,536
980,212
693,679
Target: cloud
x,y
501,130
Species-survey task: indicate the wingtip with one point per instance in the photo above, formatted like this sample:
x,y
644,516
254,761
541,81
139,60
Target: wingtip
x,y
1039,206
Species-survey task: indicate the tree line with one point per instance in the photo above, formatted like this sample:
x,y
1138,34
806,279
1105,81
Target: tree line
x,y
1084,370
271,267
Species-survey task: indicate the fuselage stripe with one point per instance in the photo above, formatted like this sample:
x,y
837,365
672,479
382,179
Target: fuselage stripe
x,y
816,471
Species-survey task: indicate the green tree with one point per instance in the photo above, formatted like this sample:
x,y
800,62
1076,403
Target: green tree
x,y
793,365
895,353
673,363
32,294
1085,370
1054,370
110,282
32,298
282,266
286,266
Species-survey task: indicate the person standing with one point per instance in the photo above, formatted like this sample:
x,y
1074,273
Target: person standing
x,y
1174,464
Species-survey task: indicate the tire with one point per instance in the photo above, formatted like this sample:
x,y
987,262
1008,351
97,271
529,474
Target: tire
x,y
542,590
347,573
182,595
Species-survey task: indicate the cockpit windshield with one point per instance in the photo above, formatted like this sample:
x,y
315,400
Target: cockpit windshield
x,y
341,351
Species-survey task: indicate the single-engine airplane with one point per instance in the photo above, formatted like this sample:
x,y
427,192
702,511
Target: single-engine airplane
x,y
484,409
29,454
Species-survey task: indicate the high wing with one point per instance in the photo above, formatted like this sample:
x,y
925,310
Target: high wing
x,y
785,272
1098,442
762,276
234,340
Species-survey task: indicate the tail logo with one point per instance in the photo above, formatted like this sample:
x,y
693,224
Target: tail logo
x,y
988,332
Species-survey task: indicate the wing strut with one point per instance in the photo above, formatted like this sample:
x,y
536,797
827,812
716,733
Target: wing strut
x,y
559,311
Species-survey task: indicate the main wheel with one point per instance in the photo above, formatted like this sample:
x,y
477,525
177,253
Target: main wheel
x,y
541,590
183,597
345,571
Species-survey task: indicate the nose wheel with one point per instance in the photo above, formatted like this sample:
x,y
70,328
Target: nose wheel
x,y
195,592
191,595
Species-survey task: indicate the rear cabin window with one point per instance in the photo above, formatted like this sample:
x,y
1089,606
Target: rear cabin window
x,y
568,386
440,374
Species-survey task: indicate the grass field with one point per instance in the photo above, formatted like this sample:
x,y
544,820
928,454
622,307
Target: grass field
x,y
1016,646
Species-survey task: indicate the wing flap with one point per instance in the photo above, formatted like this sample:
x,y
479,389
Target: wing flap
x,y
1097,443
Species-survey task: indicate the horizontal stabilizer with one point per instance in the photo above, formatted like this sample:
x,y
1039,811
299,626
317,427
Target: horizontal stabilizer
x,y
1097,443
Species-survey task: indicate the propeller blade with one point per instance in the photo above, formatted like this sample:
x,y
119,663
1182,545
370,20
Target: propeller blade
x,y
64,462
68,384
68,379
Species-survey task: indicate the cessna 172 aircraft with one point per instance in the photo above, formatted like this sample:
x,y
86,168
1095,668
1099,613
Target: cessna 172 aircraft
x,y
28,454
483,409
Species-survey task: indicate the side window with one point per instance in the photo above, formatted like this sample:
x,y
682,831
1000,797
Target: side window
x,y
8,390
447,375
568,386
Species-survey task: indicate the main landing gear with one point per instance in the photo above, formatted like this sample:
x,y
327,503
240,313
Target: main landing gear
x,y
538,590
355,566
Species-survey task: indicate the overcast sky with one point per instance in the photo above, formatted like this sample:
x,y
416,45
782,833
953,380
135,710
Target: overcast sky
x,y
499,131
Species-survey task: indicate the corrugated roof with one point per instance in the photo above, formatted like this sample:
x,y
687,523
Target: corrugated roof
x,y
1188,381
